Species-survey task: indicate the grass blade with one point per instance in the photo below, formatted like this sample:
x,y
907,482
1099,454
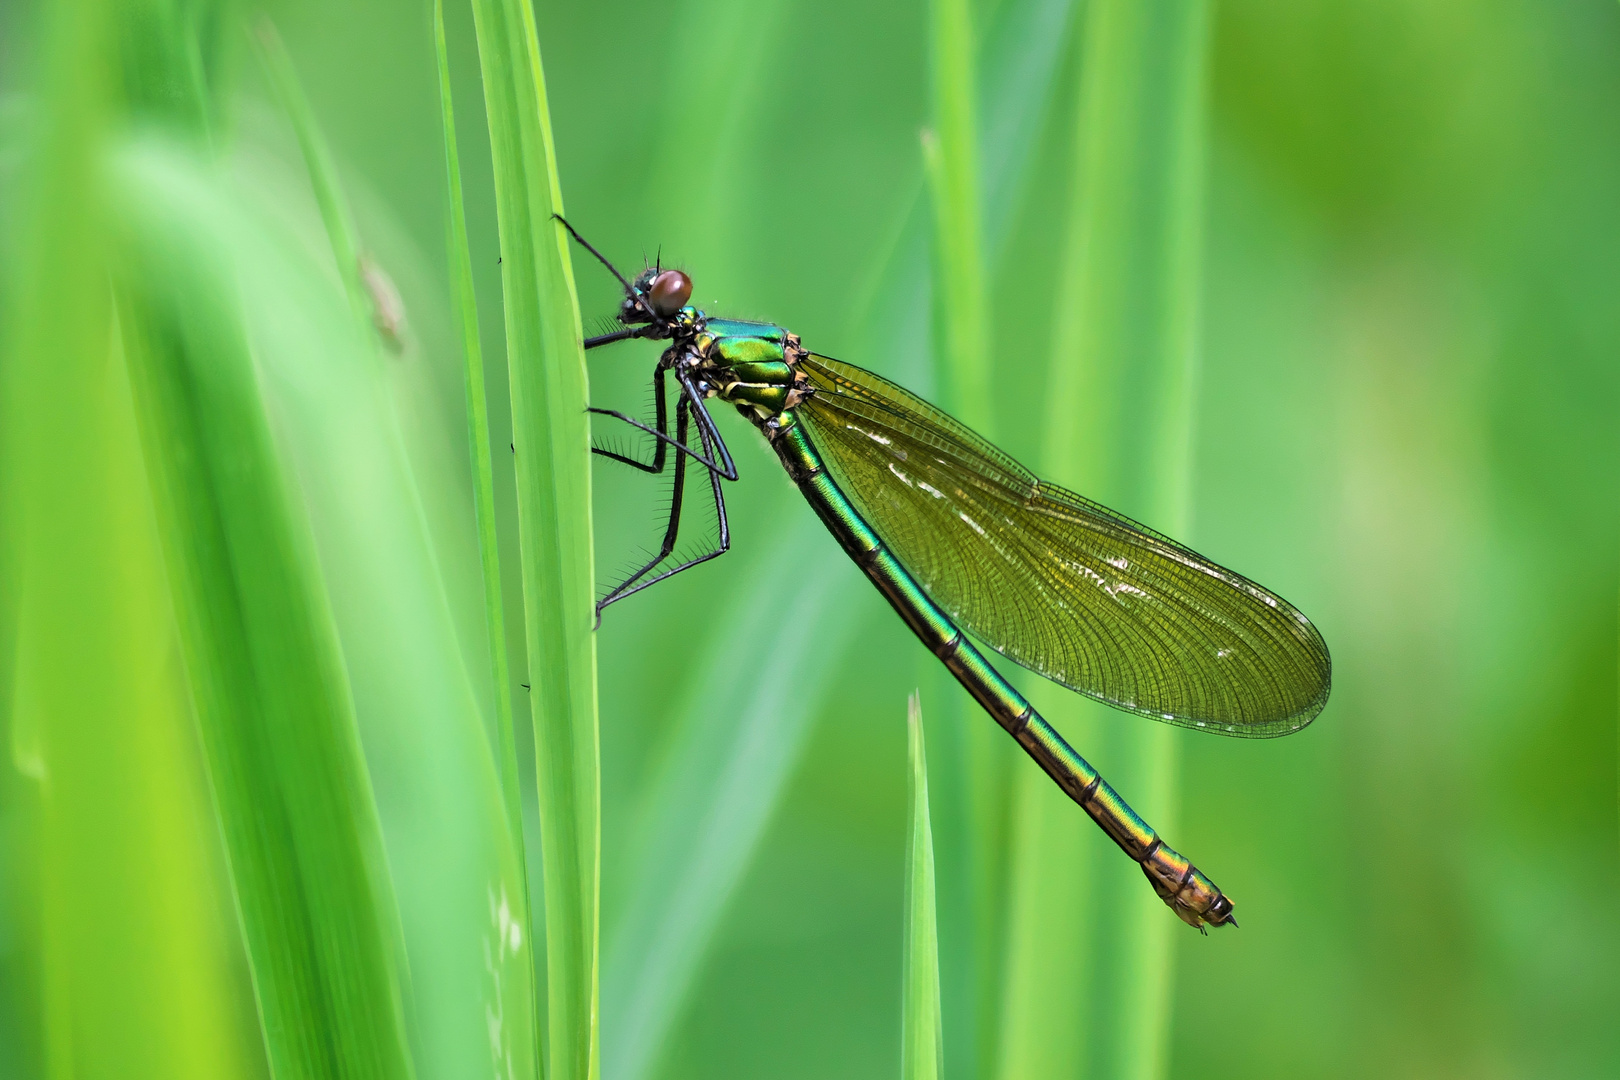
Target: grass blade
x,y
1023,52
334,209
460,938
123,935
973,777
951,157
549,395
922,1036
273,701
466,312
706,811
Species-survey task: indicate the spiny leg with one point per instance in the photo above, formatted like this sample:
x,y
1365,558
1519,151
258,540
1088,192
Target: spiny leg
x,y
661,437
673,528
632,585
725,468
707,431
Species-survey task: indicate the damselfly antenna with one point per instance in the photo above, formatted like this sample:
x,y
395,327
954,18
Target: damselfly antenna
x,y
603,259
656,297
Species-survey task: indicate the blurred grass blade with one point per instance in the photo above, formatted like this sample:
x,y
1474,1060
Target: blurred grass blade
x,y
115,951
546,365
1123,347
465,303
461,933
1020,61
973,781
951,157
272,696
695,836
922,1038
322,172
737,742
430,751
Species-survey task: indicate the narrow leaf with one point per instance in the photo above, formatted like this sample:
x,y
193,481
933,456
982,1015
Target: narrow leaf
x,y
272,696
322,172
951,157
922,1036
472,354
470,936
118,955
974,781
546,367
735,745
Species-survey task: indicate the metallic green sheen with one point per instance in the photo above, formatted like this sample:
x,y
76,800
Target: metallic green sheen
x,y
1055,582
741,328
999,698
851,530
768,372
731,343
771,397
931,625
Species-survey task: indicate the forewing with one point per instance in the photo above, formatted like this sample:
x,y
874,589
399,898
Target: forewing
x,y
1058,583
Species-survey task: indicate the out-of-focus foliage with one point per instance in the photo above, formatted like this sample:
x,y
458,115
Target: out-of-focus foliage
x,y
1405,422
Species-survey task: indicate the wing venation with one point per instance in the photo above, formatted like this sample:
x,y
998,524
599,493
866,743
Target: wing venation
x,y
1058,583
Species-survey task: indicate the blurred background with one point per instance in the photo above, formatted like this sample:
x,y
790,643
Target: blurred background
x,y
1408,270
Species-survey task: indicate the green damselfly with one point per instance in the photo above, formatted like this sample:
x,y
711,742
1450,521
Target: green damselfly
x,y
959,536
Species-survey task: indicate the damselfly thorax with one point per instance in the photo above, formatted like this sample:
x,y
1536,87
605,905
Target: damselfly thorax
x,y
754,366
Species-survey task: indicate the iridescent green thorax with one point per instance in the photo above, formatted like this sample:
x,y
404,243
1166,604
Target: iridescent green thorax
x,y
755,366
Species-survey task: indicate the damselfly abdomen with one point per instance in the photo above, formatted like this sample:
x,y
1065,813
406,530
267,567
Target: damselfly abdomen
x,y
959,537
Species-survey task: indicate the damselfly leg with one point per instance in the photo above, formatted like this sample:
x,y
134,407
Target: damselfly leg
x,y
689,412
725,467
651,312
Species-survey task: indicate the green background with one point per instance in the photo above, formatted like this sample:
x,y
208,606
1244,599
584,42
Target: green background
x,y
1405,423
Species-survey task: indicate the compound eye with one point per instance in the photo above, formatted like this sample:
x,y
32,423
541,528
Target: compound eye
x,y
669,293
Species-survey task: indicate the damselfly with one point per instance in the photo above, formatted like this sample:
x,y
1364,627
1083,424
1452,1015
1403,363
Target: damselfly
x,y
959,536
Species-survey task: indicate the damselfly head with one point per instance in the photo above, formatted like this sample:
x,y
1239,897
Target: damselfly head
x,y
657,296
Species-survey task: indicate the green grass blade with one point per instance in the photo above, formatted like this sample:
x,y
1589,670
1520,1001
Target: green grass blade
x,y
429,748
1020,62
267,683
112,898
974,780
736,744
323,174
951,158
460,935
273,702
549,394
466,314
921,1033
